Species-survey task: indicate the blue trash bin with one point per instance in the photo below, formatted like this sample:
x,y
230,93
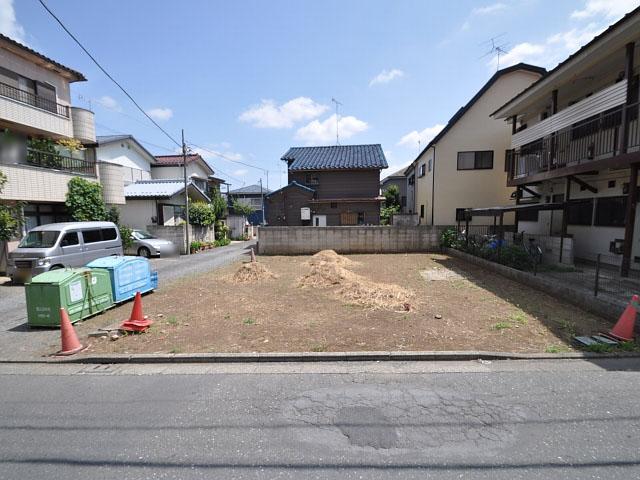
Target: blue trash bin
x,y
128,275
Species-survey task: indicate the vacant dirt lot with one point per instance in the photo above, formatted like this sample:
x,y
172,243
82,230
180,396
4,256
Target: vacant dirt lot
x,y
418,302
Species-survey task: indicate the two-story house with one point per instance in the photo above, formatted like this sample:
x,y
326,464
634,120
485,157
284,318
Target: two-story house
x,y
252,196
575,147
328,186
464,165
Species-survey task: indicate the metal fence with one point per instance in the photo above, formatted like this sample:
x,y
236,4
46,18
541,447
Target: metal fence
x,y
33,100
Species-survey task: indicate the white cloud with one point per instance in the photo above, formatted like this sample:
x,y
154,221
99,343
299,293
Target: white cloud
x,y
109,102
9,25
559,46
489,9
241,172
393,168
411,139
604,8
271,115
160,114
325,131
214,154
385,76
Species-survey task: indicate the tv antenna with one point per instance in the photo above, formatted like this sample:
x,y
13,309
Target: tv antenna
x,y
338,104
496,48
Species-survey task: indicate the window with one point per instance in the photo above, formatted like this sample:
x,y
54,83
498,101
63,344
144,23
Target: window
x,y
312,179
557,198
611,184
429,164
460,216
92,236
421,211
580,212
412,180
41,239
528,215
481,160
334,205
610,211
422,171
109,234
360,218
69,239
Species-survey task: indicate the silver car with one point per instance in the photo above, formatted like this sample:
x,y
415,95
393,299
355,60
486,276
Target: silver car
x,y
61,245
146,245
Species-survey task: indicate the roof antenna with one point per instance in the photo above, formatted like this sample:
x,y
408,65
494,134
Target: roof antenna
x,y
337,120
496,49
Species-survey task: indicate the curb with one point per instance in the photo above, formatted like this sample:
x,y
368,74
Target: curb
x,y
322,357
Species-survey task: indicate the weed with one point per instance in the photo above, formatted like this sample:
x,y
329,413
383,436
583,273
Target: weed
x,y
249,321
556,349
567,326
501,325
629,346
600,348
173,321
175,350
227,316
519,317
319,347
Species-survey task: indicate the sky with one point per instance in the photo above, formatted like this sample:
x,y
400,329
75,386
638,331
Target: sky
x,y
246,80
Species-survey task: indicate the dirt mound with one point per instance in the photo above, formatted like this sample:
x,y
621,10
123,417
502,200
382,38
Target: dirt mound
x,y
252,272
355,288
330,256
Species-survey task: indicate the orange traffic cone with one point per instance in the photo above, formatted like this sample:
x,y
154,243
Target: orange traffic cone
x,y
623,329
137,322
70,342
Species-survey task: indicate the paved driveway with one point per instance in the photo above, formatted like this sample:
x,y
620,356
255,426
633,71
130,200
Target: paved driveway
x,y
17,341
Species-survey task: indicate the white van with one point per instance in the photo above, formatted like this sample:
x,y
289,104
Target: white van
x,y
61,245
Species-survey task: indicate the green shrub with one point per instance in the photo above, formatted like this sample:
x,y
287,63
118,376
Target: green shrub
x,y
221,230
222,242
449,238
84,200
126,234
10,216
195,246
242,209
201,214
387,212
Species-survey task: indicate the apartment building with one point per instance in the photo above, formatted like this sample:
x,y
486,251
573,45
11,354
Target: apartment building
x,y
575,148
464,165
36,117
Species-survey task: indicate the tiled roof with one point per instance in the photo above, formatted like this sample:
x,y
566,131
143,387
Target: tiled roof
x,y
293,184
176,160
336,157
157,188
74,73
250,189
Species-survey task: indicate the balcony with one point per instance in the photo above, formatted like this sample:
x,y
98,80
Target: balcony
x,y
33,100
55,161
580,147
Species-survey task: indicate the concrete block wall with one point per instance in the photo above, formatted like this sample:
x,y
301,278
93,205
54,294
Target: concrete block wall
x,y
175,234
369,239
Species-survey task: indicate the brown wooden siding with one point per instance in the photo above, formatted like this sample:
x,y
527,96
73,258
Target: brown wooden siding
x,y
283,207
341,183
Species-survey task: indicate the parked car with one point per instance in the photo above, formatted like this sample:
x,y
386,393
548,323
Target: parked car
x,y
146,245
61,245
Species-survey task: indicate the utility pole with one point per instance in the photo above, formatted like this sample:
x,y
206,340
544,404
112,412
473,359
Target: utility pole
x,y
262,196
186,194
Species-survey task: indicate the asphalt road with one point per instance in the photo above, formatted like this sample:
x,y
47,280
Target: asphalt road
x,y
506,420
18,341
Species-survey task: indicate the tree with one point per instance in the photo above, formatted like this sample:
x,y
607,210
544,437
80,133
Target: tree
x,y
392,196
218,205
201,214
84,200
242,209
10,216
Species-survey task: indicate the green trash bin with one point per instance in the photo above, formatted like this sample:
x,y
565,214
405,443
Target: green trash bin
x,y
82,292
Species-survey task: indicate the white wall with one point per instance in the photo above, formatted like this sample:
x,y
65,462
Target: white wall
x,y
138,213
194,169
135,163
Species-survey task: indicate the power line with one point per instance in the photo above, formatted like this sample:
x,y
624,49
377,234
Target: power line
x,y
146,142
107,73
225,157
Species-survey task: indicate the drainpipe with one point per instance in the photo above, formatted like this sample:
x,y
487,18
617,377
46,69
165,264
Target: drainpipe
x,y
433,185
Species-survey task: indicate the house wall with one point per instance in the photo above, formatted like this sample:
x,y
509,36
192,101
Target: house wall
x,y
589,241
137,213
193,169
111,178
27,115
283,207
33,184
341,183
475,131
371,211
135,163
372,239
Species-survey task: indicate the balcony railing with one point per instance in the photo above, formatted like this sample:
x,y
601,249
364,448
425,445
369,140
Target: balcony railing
x,y
37,101
54,161
585,141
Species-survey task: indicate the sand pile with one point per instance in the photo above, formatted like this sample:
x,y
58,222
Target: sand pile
x,y
328,269
252,272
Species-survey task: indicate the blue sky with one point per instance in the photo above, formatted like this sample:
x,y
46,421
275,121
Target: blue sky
x,y
249,79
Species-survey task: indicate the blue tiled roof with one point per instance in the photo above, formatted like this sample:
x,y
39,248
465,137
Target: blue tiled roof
x,y
250,189
336,157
